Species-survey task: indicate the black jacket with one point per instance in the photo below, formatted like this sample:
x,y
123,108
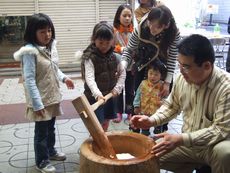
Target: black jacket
x,y
105,67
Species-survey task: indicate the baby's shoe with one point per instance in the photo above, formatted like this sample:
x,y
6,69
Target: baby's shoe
x,y
118,119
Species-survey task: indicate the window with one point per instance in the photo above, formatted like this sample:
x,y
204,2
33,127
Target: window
x,y
11,35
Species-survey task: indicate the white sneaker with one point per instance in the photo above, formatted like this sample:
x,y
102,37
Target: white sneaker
x,y
59,156
46,167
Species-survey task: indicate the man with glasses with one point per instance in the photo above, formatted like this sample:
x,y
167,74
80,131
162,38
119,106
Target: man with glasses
x,y
201,93
228,56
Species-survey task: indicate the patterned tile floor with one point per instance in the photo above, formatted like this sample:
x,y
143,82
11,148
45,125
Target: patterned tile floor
x,y
16,139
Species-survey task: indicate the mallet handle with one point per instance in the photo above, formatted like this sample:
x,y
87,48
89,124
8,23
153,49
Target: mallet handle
x,y
101,101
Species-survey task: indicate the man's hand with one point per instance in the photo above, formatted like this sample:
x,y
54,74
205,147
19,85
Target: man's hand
x,y
167,142
141,121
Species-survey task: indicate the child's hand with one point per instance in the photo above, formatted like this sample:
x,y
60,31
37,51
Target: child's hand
x,y
137,110
40,112
165,90
101,98
69,83
115,93
158,102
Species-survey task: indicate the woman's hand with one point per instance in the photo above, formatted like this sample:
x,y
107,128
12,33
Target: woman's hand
x,y
122,49
141,121
165,90
69,83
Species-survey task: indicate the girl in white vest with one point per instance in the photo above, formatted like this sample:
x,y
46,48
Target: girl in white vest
x,y
41,76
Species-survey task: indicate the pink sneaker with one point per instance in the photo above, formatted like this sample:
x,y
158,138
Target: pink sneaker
x,y
118,119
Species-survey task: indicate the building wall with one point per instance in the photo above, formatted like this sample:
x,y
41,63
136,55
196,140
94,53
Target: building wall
x,y
224,10
73,19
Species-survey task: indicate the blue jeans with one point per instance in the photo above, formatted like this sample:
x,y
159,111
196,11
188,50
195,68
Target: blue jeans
x,y
44,140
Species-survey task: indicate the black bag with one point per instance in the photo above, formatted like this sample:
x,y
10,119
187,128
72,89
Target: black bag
x,y
146,53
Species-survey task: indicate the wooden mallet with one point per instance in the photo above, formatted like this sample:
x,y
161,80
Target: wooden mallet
x,y
86,112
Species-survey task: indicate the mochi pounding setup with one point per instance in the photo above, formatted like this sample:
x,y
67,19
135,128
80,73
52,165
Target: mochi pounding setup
x,y
100,149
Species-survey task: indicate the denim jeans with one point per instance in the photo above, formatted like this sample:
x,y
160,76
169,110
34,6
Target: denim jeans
x,y
44,140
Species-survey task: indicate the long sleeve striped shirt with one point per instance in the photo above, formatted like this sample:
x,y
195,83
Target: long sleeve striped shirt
x,y
205,109
133,46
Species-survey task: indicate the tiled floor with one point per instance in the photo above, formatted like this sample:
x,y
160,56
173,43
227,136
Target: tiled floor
x,y
16,139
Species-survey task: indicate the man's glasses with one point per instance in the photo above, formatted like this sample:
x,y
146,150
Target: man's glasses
x,y
184,67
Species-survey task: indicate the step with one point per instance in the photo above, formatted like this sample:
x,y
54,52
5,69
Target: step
x,y
15,71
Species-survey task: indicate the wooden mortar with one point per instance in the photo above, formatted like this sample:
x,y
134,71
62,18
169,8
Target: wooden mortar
x,y
138,145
